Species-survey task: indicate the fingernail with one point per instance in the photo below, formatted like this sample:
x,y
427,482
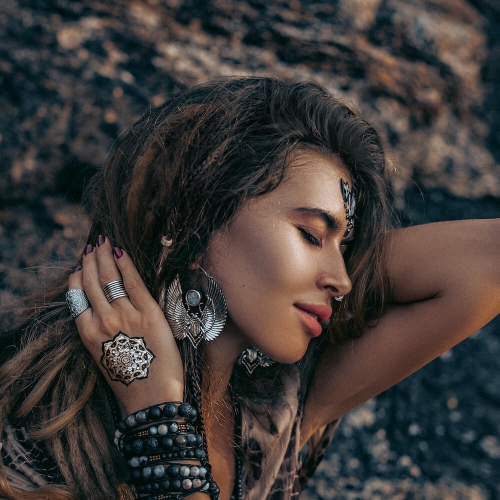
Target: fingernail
x,y
100,240
77,268
89,248
118,252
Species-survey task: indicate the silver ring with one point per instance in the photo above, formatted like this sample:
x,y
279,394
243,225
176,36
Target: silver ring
x,y
77,301
339,298
114,290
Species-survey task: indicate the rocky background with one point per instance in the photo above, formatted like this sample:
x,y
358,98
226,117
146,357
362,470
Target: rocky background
x,y
75,74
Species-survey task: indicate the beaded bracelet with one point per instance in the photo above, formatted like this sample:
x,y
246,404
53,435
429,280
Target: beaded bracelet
x,y
151,439
158,439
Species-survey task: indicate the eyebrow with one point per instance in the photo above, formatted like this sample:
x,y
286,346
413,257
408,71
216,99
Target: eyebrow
x,y
332,222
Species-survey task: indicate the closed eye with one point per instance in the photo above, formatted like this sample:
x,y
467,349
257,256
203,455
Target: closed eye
x,y
347,245
310,238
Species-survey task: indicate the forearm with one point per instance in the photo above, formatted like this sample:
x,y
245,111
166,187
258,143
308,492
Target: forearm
x,y
461,258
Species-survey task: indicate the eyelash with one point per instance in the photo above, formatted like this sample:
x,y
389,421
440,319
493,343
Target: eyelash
x,y
310,238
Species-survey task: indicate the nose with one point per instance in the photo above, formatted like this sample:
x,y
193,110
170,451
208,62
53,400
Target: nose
x,y
334,278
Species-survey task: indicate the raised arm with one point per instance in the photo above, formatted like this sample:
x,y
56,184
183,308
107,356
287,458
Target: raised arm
x,y
445,280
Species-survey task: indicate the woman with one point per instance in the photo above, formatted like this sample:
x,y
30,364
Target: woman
x,y
240,258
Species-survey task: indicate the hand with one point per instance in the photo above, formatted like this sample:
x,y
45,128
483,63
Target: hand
x,y
136,316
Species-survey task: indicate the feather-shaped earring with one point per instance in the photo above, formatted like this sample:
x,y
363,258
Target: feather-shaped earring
x,y
195,316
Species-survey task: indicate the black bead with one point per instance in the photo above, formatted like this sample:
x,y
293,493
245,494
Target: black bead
x,y
156,486
173,470
199,439
147,487
121,426
199,454
166,442
182,453
127,450
185,409
176,484
154,413
137,446
152,443
136,474
213,488
170,410
191,440
165,484
193,414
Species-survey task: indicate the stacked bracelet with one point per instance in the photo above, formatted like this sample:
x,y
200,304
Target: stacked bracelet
x,y
152,440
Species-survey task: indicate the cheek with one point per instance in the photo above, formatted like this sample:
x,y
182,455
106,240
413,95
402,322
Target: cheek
x,y
262,274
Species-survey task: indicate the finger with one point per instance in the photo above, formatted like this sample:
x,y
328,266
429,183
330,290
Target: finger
x,y
108,270
138,293
84,321
91,283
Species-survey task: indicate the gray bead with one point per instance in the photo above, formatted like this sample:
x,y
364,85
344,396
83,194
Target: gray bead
x,y
202,472
146,472
141,417
184,470
153,431
159,471
131,421
173,427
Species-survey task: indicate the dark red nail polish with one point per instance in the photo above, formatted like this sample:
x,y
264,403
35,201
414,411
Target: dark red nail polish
x,y
77,268
100,240
89,248
118,252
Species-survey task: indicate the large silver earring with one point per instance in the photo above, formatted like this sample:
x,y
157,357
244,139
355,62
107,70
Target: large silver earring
x,y
194,316
251,358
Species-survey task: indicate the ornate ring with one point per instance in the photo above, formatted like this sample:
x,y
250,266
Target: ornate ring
x,y
77,301
114,290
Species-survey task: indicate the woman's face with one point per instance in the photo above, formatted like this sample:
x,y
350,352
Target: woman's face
x,y
280,261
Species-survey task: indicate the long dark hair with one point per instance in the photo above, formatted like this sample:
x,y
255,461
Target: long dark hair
x,y
182,171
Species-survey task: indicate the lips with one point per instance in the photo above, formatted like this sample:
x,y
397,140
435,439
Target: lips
x,y
313,315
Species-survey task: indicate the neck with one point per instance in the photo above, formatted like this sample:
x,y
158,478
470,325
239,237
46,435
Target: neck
x,y
220,356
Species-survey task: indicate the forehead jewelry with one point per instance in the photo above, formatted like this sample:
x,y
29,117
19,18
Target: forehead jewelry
x,y
349,198
126,358
194,316
251,358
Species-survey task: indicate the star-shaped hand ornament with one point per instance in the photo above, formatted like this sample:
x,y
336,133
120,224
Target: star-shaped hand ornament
x,y
126,358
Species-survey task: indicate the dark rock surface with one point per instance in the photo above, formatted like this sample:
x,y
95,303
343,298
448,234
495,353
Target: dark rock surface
x,y
74,74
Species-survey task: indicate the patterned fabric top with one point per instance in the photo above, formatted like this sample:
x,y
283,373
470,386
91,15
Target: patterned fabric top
x,y
273,467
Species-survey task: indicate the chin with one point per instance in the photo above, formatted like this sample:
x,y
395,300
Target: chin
x,y
289,357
